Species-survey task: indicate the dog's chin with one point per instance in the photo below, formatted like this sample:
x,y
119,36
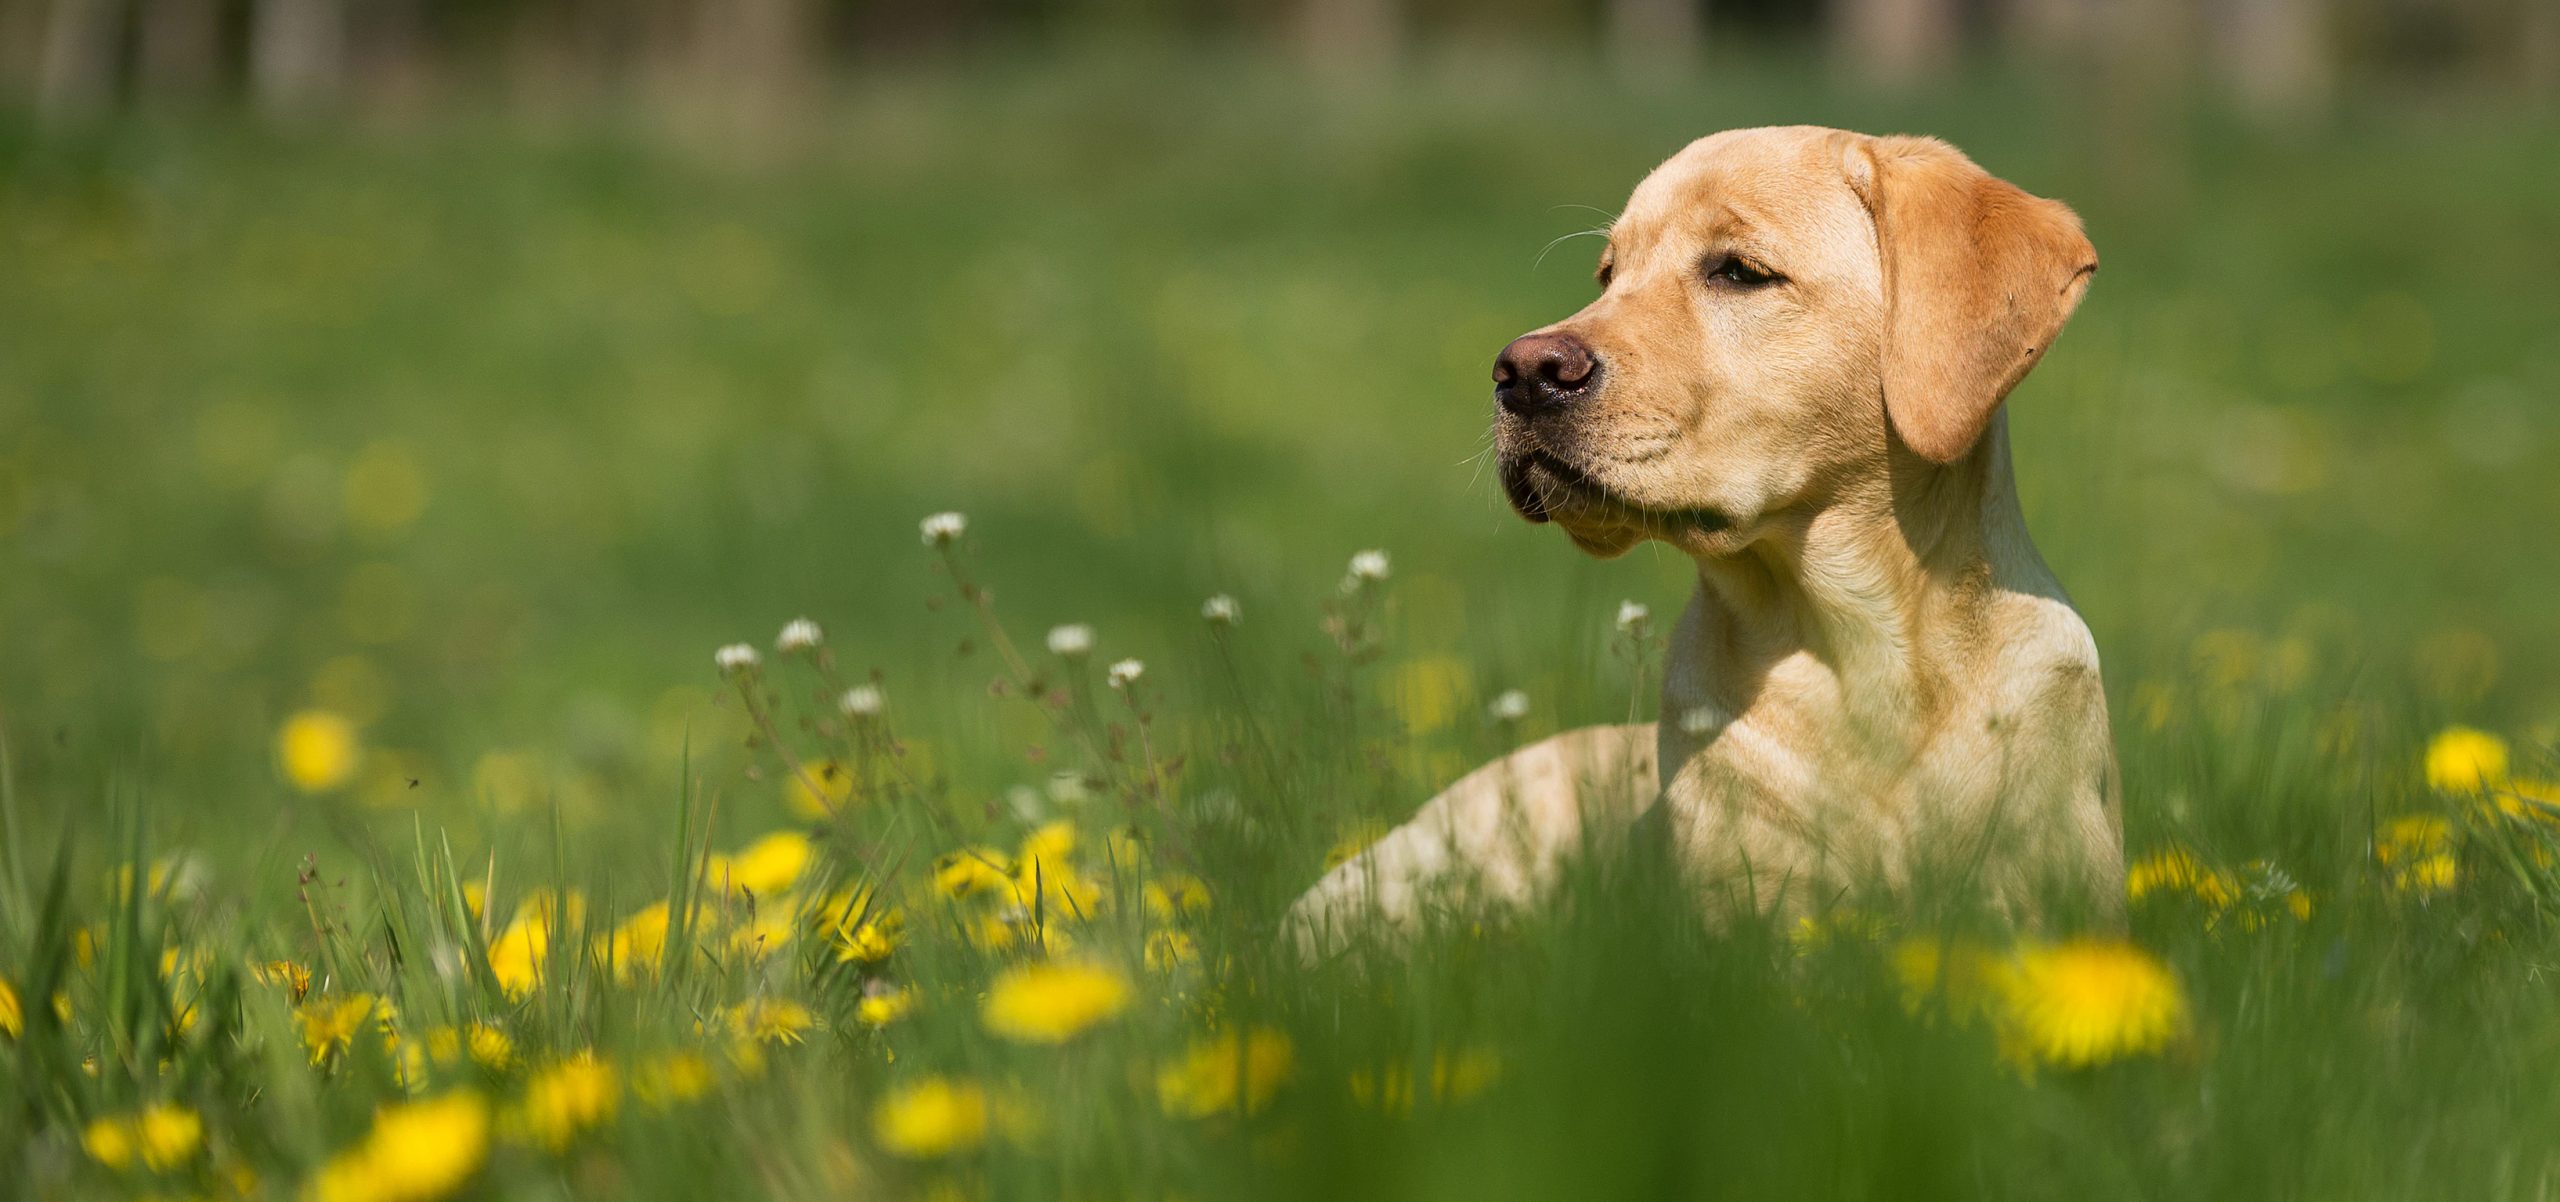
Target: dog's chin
x,y
1600,519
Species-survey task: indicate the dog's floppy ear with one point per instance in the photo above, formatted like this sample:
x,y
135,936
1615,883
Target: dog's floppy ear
x,y
1978,278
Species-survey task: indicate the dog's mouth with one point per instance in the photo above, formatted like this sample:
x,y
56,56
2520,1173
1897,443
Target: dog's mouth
x,y
1542,486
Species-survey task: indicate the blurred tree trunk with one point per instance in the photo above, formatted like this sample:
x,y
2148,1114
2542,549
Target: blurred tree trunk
x,y
1657,37
297,51
2278,57
1352,37
739,75
1894,42
2538,47
77,73
181,46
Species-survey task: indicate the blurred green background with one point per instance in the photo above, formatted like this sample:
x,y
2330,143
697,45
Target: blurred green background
x,y
471,371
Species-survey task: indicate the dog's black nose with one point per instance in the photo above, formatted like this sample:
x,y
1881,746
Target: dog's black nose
x,y
1540,373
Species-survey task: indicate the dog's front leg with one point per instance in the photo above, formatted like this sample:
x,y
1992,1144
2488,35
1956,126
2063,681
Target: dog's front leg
x,y
1500,828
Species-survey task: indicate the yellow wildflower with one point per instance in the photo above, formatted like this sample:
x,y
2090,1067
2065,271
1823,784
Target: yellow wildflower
x,y
522,952
971,871
317,750
1226,1072
570,1096
639,945
1176,895
2087,1001
330,1023
1958,975
295,979
1169,950
930,1118
884,1008
12,1017
872,939
769,927
2463,760
2174,869
416,1152
1053,1002
2418,849
1455,1077
767,867
819,789
672,1078
162,1136
487,1046
1051,846
770,1020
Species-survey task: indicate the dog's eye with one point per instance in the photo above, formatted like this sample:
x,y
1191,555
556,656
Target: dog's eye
x,y
1731,269
1607,273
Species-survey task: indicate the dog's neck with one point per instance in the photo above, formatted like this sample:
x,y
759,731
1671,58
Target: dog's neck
x,y
1862,616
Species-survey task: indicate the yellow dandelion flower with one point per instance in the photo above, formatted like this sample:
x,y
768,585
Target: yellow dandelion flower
x,y
12,1016
1455,1077
1052,846
416,1152
2176,870
639,945
571,1096
2086,1002
1226,1072
770,1020
161,1137
1053,1002
675,1077
882,1009
766,868
970,872
768,928
318,750
819,789
2428,874
330,1024
2463,760
1058,891
1173,896
992,932
873,939
930,1118
294,978
1169,950
1959,975
2418,849
518,955
486,1045
1815,932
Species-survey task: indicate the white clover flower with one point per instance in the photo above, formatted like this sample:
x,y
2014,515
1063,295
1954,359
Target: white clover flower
x,y
1126,673
1071,640
944,529
1221,610
1369,565
861,701
800,634
1632,615
1510,705
736,657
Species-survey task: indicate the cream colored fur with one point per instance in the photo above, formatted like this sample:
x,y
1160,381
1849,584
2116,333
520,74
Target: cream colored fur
x,y
1877,675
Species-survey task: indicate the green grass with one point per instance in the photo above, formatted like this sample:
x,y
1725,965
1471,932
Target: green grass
x,y
484,433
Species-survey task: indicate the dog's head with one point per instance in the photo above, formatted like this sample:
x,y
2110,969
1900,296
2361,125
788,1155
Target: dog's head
x,y
1781,310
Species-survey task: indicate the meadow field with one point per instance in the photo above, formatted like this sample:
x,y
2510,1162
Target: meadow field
x,y
376,492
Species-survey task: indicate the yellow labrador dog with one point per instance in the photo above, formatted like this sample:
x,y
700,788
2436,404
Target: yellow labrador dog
x,y
1793,374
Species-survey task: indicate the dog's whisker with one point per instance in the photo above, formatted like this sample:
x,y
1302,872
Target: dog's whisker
x,y
1560,239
